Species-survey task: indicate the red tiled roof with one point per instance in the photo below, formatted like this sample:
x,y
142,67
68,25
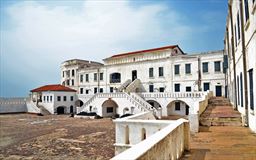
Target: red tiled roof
x,y
53,87
143,51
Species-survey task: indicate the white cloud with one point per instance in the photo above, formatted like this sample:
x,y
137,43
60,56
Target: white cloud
x,y
43,36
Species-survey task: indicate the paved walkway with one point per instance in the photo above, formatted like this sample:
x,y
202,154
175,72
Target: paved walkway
x,y
222,143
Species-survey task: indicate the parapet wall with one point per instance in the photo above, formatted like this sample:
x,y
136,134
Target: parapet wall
x,y
13,105
166,143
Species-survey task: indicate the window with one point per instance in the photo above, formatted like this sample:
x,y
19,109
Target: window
x,y
50,98
72,82
95,90
63,74
73,72
47,98
81,78
87,91
161,71
188,68
68,73
151,72
205,67
87,77
58,98
71,98
101,76
238,92
111,89
217,66
188,89
235,36
238,25
115,78
176,69
177,87
206,86
68,82
101,90
251,89
110,109
151,88
177,106
64,98
95,76
241,90
81,91
246,10
161,89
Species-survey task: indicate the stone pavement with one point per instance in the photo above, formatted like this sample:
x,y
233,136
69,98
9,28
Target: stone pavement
x,y
222,143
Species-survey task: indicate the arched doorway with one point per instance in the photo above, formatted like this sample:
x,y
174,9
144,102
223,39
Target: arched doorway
x,y
71,109
109,108
126,111
61,110
154,103
79,103
177,108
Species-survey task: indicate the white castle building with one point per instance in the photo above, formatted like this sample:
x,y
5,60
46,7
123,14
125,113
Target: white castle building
x,y
148,79
240,48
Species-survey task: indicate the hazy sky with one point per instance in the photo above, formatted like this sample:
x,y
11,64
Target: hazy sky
x,y
36,36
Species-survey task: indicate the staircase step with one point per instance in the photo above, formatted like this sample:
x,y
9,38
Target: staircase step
x,y
219,112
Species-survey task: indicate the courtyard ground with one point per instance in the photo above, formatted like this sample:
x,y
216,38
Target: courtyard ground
x,y
222,143
26,136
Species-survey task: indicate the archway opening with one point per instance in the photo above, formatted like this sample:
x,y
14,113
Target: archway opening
x,y
178,108
79,103
71,109
61,110
143,134
109,108
154,104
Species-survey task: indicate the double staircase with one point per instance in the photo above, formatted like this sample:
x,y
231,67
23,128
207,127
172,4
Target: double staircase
x,y
219,112
128,91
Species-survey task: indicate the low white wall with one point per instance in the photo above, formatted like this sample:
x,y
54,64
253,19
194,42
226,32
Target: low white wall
x,y
13,105
168,143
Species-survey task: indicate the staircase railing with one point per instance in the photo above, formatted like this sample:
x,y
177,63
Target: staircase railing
x,y
124,85
132,86
115,95
143,102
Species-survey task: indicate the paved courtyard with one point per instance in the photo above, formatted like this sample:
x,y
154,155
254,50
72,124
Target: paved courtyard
x,y
222,143
25,136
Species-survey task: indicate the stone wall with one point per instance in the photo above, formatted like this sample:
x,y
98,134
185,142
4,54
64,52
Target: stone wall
x,y
13,105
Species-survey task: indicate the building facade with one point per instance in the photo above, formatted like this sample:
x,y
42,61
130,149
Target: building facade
x,y
240,48
152,72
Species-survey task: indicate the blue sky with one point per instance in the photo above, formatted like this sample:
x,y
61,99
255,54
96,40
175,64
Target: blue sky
x,y
37,36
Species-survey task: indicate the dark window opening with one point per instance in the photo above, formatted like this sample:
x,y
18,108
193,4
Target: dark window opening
x,y
151,88
151,72
110,109
95,77
161,71
115,78
176,87
111,89
188,89
188,68
206,86
101,76
176,69
95,90
161,89
81,91
58,98
205,67
177,106
251,89
217,66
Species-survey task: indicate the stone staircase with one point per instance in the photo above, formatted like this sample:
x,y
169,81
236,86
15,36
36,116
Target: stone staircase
x,y
219,112
43,111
